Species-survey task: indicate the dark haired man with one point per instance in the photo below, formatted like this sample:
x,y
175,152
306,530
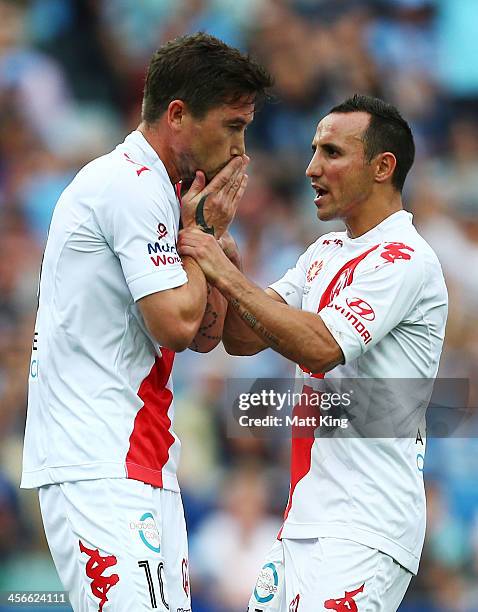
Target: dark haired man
x,y
369,302
115,303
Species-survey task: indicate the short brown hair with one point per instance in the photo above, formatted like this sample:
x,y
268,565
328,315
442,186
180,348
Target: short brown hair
x,y
202,71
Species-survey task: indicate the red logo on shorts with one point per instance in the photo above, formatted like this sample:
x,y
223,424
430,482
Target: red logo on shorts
x,y
100,585
185,573
395,250
294,604
344,604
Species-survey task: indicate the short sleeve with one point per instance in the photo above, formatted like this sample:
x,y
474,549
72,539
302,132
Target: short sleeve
x,y
291,286
380,296
141,230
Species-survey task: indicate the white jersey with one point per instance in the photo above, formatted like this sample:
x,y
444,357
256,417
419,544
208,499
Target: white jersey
x,y
383,298
100,395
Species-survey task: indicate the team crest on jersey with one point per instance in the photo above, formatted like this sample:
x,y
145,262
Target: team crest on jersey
x,y
95,566
314,270
344,604
267,583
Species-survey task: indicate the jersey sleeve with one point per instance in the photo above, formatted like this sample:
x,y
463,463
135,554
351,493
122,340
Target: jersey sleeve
x,y
140,228
380,296
291,286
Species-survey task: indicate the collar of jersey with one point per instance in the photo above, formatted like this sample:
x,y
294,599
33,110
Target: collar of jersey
x,y
401,218
151,158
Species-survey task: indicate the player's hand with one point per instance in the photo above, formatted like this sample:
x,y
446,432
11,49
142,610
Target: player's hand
x,y
206,250
212,207
231,250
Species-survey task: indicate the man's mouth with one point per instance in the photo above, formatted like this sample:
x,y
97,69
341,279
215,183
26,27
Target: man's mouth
x,y
320,193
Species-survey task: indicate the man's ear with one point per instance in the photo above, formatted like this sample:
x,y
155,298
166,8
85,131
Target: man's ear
x,y
385,164
175,114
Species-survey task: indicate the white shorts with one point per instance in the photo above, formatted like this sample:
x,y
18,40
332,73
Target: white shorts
x,y
118,545
328,574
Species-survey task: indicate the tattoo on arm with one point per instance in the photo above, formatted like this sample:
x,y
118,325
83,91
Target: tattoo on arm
x,y
209,319
200,220
254,324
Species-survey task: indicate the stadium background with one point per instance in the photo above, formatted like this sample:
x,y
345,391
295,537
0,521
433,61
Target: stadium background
x,y
71,74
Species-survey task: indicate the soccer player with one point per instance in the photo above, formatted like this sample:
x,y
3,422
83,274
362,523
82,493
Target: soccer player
x,y
368,302
115,303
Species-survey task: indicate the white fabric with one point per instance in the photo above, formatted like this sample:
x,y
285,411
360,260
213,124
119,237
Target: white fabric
x,y
369,490
118,545
328,574
111,241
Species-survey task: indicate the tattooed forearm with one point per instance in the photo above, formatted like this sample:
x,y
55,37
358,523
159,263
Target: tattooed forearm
x,y
210,330
266,334
209,321
200,220
249,318
254,324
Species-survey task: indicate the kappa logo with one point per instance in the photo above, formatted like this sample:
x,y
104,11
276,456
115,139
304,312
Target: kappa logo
x,y
95,566
314,269
336,241
294,604
344,604
162,231
396,250
141,167
185,573
362,308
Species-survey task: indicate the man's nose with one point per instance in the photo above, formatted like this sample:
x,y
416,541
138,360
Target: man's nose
x,y
238,147
314,168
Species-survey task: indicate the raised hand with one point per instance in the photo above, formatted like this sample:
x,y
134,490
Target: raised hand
x,y
206,250
212,207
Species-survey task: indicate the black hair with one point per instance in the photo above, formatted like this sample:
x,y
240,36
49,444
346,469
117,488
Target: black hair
x,y
202,71
386,131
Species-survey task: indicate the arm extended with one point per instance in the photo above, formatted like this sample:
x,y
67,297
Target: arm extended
x,y
300,336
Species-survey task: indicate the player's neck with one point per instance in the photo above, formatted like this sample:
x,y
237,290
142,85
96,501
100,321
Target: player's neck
x,y
371,213
159,142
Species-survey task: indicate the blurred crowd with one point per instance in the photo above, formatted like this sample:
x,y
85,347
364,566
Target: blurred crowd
x,y
71,76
